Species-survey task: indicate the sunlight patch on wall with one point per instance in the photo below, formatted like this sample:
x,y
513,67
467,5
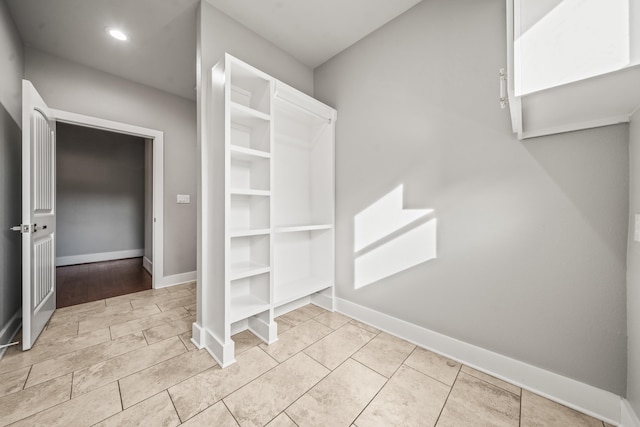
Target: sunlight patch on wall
x,y
576,40
389,239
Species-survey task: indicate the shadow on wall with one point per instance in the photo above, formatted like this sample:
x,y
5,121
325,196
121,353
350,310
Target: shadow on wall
x,y
389,239
585,167
10,215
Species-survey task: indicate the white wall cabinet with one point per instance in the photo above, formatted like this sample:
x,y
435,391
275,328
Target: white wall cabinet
x,y
572,64
266,219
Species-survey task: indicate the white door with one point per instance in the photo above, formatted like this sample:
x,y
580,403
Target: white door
x,y
38,214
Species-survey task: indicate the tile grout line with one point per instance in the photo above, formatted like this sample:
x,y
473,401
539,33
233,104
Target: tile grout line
x,y
229,410
448,395
24,386
376,394
120,394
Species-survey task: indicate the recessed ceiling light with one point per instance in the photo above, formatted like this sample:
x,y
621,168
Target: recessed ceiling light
x,y
117,34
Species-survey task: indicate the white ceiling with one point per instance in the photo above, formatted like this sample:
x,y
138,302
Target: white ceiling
x,y
313,30
162,49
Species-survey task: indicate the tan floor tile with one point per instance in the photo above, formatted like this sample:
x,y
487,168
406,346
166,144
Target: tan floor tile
x,y
186,340
410,398
244,341
282,420
365,326
70,362
102,373
296,339
78,308
136,295
474,402
332,319
492,380
114,319
192,309
538,411
16,406
263,399
302,314
141,385
162,298
169,329
86,410
190,286
15,358
338,398
13,381
178,302
283,325
339,345
62,330
384,354
205,389
155,411
98,313
216,415
140,324
434,365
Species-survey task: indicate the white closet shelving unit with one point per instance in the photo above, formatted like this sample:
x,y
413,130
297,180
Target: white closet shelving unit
x,y
267,213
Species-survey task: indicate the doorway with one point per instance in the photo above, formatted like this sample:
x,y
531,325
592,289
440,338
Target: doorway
x,y
102,201
153,256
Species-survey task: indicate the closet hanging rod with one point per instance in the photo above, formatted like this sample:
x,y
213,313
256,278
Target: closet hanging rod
x,y
306,110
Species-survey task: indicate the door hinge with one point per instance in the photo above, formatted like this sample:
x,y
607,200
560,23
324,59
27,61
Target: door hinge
x,y
504,98
22,228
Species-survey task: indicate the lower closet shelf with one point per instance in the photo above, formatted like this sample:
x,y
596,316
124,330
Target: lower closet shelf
x,y
292,291
245,306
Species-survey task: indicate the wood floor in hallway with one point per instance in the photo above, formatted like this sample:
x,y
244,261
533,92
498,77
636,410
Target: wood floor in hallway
x,y
77,284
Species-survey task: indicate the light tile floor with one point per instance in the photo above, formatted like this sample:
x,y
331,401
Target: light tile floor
x,y
128,361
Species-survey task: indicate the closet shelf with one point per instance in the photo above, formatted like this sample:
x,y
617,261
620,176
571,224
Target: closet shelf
x,y
242,270
297,228
291,291
246,116
248,192
248,154
245,306
249,233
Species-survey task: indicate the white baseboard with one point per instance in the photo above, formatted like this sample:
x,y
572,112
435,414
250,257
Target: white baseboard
x,y
203,338
582,397
9,330
176,279
147,264
98,257
629,417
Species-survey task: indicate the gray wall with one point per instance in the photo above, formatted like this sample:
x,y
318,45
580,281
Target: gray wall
x,y
11,72
633,270
219,34
72,87
531,235
100,191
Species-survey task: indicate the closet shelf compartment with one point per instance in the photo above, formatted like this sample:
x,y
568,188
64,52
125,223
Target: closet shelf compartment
x,y
249,232
246,116
242,270
245,306
249,192
292,291
298,228
247,154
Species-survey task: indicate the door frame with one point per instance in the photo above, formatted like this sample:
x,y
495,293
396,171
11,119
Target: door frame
x,y
157,140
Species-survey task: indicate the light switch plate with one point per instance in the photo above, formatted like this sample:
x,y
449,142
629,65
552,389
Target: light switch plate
x,y
184,198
